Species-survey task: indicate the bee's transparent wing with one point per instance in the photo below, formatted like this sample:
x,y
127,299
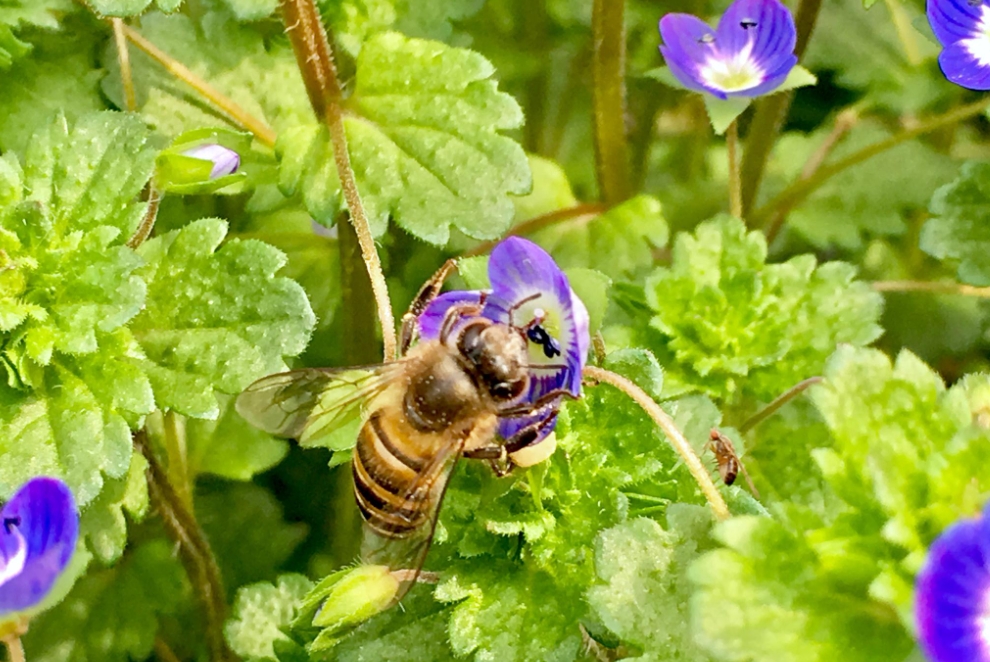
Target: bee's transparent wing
x,y
405,556
311,403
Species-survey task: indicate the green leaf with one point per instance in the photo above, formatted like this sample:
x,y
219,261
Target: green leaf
x,y
244,525
723,112
592,288
112,615
260,613
252,10
619,243
103,522
767,597
551,190
422,132
229,446
798,77
90,174
664,75
127,8
733,323
11,48
215,318
643,595
958,232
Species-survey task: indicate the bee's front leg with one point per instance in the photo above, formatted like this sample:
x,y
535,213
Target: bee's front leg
x,y
497,456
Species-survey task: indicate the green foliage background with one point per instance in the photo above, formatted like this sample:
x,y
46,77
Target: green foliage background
x,y
468,119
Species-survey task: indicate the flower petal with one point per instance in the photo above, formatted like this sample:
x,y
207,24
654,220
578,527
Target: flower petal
x,y
774,80
763,30
967,63
44,513
431,320
688,42
952,20
544,420
225,161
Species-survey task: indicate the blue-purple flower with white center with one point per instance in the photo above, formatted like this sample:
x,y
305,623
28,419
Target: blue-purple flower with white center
x,y
38,531
750,53
225,161
963,29
952,594
529,291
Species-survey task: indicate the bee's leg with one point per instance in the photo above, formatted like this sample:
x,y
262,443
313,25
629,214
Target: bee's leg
x,y
527,408
426,294
497,456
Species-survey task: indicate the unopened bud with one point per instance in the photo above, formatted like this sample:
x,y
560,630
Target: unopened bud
x,y
225,161
358,595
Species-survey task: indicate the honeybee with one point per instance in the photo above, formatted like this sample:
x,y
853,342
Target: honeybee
x,y
416,417
729,464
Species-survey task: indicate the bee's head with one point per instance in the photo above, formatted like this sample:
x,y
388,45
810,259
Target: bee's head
x,y
498,355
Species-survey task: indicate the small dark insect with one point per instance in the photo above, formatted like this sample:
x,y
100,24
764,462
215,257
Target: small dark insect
x,y
10,523
748,23
729,464
537,334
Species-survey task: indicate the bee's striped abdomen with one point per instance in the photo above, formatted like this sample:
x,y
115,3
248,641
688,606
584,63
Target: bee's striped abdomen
x,y
385,470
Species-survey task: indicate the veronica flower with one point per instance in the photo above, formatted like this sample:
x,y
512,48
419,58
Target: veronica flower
x,y
225,161
952,594
38,531
750,53
963,29
531,292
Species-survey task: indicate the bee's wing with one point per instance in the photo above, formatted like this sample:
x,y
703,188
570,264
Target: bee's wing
x,y
407,555
306,404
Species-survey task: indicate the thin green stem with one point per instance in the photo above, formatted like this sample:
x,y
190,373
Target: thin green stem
x,y
578,211
234,112
194,550
15,649
674,436
609,100
178,457
933,288
312,45
124,61
777,403
768,119
905,32
735,186
802,188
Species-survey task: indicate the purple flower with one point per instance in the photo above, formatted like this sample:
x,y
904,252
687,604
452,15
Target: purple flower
x,y
748,55
952,594
225,161
38,531
529,291
963,29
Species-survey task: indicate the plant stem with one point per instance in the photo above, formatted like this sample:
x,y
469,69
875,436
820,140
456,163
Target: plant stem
x,y
905,32
311,44
674,436
195,552
845,121
771,112
801,189
531,225
777,403
15,649
164,652
124,60
234,112
178,460
735,185
609,100
148,221
934,288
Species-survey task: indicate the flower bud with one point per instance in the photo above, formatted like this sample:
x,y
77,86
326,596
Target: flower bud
x,y
225,161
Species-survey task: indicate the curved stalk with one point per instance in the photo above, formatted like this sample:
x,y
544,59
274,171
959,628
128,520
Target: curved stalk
x,y
195,552
777,403
934,288
311,44
609,100
531,225
15,649
802,188
124,61
148,221
674,436
234,112
735,185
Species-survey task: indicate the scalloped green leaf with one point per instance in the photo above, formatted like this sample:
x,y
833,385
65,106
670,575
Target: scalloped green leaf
x,y
958,232
216,318
260,613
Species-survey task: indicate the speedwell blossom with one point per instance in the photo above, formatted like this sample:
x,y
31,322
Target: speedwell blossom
x,y
952,594
963,29
748,55
38,531
225,161
531,292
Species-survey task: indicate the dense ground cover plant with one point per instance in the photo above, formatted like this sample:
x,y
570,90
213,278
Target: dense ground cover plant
x,y
772,218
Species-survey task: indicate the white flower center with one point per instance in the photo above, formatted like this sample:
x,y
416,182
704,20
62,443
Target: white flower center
x,y
13,565
732,73
979,44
